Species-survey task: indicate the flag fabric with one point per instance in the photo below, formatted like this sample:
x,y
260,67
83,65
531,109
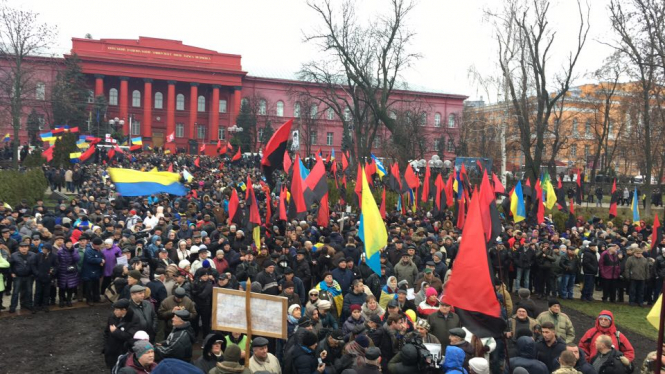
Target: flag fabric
x,y
539,205
219,145
657,234
237,156
170,169
233,207
345,162
75,157
297,205
450,193
636,208
580,188
283,203
380,169
316,183
197,162
372,229
202,148
461,211
426,192
332,155
48,154
440,196
7,138
498,187
170,138
486,199
550,194
304,172
653,317
394,179
254,217
614,200
481,314
358,189
130,182
286,163
411,178
187,176
517,203
323,214
383,204
273,156
370,170
137,141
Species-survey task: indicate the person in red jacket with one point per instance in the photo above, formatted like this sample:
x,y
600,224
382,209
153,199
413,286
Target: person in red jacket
x,y
605,325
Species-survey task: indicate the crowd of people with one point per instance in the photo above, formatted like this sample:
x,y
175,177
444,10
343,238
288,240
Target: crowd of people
x,y
157,260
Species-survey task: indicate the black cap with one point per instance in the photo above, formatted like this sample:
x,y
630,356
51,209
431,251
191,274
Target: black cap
x,y
183,314
393,304
457,331
260,342
97,241
121,304
372,353
179,292
301,252
288,270
375,318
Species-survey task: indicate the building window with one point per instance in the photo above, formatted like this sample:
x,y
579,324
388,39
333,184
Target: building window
x,y
136,99
313,137
347,114
263,107
279,109
329,138
179,130
313,111
451,146
587,151
436,145
201,132
91,97
330,114
377,142
159,100
587,128
113,96
135,128
40,91
296,110
201,104
576,131
393,115
437,120
180,102
423,119
222,106
221,133
451,120
573,150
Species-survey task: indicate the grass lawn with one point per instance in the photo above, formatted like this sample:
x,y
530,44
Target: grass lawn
x,y
628,317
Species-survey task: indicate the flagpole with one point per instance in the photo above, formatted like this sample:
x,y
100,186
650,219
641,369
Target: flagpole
x,y
659,349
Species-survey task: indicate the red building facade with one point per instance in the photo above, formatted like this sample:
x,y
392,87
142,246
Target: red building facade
x,y
160,87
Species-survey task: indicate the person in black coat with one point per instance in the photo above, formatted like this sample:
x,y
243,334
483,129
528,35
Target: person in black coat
x,y
582,365
120,328
303,358
608,360
590,269
213,347
526,357
202,297
45,273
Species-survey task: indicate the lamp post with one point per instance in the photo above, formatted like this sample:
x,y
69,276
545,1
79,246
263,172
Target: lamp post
x,y
117,123
235,130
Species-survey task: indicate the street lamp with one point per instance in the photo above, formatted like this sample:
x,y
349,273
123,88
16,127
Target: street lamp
x,y
235,129
117,123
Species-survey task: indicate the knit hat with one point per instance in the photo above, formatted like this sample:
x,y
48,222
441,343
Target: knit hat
x,y
141,347
553,302
293,307
355,307
308,339
324,304
288,284
232,353
206,264
135,274
375,318
479,365
362,340
183,264
430,292
524,293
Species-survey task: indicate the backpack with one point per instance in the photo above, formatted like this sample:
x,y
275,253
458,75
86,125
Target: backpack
x,y
111,294
120,363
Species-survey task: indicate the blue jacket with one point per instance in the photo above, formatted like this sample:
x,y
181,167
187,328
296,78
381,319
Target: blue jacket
x,y
344,278
526,357
454,360
92,260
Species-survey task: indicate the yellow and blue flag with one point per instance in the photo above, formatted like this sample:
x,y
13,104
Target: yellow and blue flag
x,y
137,141
372,229
517,203
636,208
130,182
332,155
75,157
7,138
548,191
380,169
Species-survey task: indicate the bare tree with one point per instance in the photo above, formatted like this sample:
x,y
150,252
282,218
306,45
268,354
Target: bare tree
x,y
639,38
21,37
409,139
361,65
525,37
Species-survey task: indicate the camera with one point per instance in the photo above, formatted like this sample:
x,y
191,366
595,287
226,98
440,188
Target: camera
x,y
426,360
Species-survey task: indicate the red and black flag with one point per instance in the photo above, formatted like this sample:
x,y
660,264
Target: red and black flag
x,y
461,210
316,184
614,199
411,178
580,188
273,156
450,192
333,169
282,203
323,215
439,197
358,189
268,207
237,156
370,170
560,196
233,207
488,211
394,179
498,186
657,234
481,314
297,205
426,192
287,162
345,162
571,222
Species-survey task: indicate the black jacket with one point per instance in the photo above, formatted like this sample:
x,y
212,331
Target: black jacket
x,y
304,272
613,365
589,262
526,348
202,293
178,344
208,361
46,267
114,342
303,360
549,354
23,266
405,362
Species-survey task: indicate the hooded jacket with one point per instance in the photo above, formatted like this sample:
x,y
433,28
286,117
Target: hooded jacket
x,y
208,361
588,341
454,360
526,350
405,362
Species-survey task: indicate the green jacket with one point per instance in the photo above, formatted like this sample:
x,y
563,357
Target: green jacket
x,y
636,268
4,264
562,324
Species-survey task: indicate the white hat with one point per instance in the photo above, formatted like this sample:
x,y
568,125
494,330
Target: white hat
x,y
108,241
194,249
183,264
479,365
141,335
293,307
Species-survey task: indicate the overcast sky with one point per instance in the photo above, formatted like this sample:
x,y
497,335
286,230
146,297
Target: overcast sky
x,y
452,35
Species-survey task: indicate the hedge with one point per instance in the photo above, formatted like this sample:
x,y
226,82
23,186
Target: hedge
x,y
16,186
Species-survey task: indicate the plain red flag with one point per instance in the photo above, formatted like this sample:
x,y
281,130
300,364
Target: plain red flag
x,y
461,211
233,205
345,162
450,200
323,216
428,175
237,156
411,178
655,237
287,162
498,187
613,200
170,169
282,204
382,210
540,215
197,162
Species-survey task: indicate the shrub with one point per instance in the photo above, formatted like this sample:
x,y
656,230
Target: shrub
x,y
16,186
